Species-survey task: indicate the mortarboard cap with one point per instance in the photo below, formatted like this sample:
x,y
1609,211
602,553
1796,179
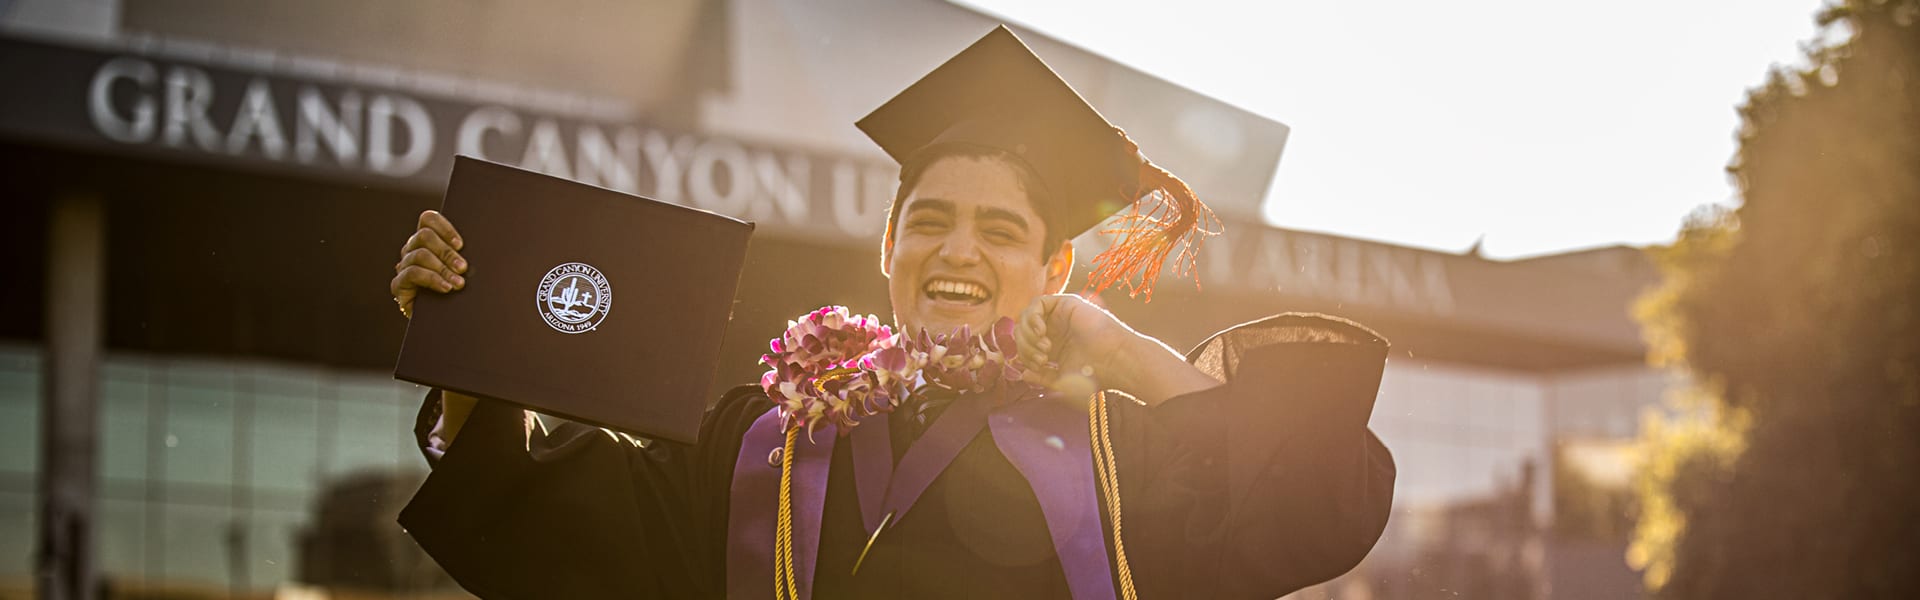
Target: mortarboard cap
x,y
998,95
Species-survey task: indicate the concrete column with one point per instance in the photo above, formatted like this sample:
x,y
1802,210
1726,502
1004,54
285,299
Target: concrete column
x,y
70,420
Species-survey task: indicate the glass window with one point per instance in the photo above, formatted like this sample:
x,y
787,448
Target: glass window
x,y
19,413
366,438
283,381
121,538
17,522
198,443
124,422
285,442
173,511
272,542
197,548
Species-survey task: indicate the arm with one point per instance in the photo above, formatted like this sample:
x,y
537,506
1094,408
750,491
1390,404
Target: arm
x,y
1247,467
430,262
1273,479
1073,346
440,421
515,510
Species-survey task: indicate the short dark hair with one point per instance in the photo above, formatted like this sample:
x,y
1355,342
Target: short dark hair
x,y
1037,197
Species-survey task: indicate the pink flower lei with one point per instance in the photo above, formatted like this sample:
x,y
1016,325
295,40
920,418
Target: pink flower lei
x,y
831,366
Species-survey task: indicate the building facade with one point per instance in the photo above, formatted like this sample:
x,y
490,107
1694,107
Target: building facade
x,y
197,347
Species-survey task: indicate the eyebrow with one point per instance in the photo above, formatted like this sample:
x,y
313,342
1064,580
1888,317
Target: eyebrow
x,y
1004,215
986,213
933,204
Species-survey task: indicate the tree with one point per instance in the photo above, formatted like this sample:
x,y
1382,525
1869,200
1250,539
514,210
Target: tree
x,y
1797,472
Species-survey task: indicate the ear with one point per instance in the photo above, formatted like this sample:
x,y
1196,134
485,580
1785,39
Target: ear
x,y
1060,268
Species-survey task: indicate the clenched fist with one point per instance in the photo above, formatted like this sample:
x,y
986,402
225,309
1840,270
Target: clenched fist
x,y
1076,347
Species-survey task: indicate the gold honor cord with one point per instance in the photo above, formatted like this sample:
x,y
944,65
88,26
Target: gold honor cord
x,y
1109,473
1105,468
783,578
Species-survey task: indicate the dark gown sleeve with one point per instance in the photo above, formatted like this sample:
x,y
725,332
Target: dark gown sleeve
x,y
1268,483
513,510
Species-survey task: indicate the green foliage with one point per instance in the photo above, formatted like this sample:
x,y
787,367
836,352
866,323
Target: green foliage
x,y
1684,460
1796,473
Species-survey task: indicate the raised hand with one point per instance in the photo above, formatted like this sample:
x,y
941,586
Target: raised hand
x,y
430,261
1075,347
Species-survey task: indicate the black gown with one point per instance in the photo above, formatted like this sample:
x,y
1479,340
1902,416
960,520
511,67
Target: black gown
x,y
1261,486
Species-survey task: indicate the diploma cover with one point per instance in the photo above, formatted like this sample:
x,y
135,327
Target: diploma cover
x,y
581,302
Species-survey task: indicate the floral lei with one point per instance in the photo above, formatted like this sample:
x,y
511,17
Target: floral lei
x,y
831,366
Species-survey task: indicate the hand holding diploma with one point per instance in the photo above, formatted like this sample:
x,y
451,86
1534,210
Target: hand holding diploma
x,y
430,260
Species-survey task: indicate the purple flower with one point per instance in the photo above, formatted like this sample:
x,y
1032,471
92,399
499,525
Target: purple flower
x,y
834,367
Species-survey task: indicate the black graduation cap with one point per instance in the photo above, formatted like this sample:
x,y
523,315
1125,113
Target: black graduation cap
x,y
997,94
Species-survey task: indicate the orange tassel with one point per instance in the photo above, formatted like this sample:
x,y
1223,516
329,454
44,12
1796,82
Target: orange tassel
x,y
1167,216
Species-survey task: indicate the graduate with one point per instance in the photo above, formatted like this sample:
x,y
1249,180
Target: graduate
x,y
996,439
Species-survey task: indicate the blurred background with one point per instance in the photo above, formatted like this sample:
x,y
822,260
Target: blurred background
x,y
1619,369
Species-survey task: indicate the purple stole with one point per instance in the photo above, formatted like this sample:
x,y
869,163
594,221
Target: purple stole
x,y
1045,439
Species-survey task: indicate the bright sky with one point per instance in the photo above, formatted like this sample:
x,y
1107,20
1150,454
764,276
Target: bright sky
x,y
1545,126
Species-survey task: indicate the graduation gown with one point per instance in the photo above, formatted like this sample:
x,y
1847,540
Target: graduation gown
x,y
1266,484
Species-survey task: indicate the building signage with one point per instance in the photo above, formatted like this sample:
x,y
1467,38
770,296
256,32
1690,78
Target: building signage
x,y
1328,268
127,102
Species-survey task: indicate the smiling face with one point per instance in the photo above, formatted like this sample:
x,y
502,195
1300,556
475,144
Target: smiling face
x,y
966,248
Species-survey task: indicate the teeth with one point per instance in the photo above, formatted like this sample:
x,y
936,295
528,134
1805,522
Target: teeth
x,y
955,287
